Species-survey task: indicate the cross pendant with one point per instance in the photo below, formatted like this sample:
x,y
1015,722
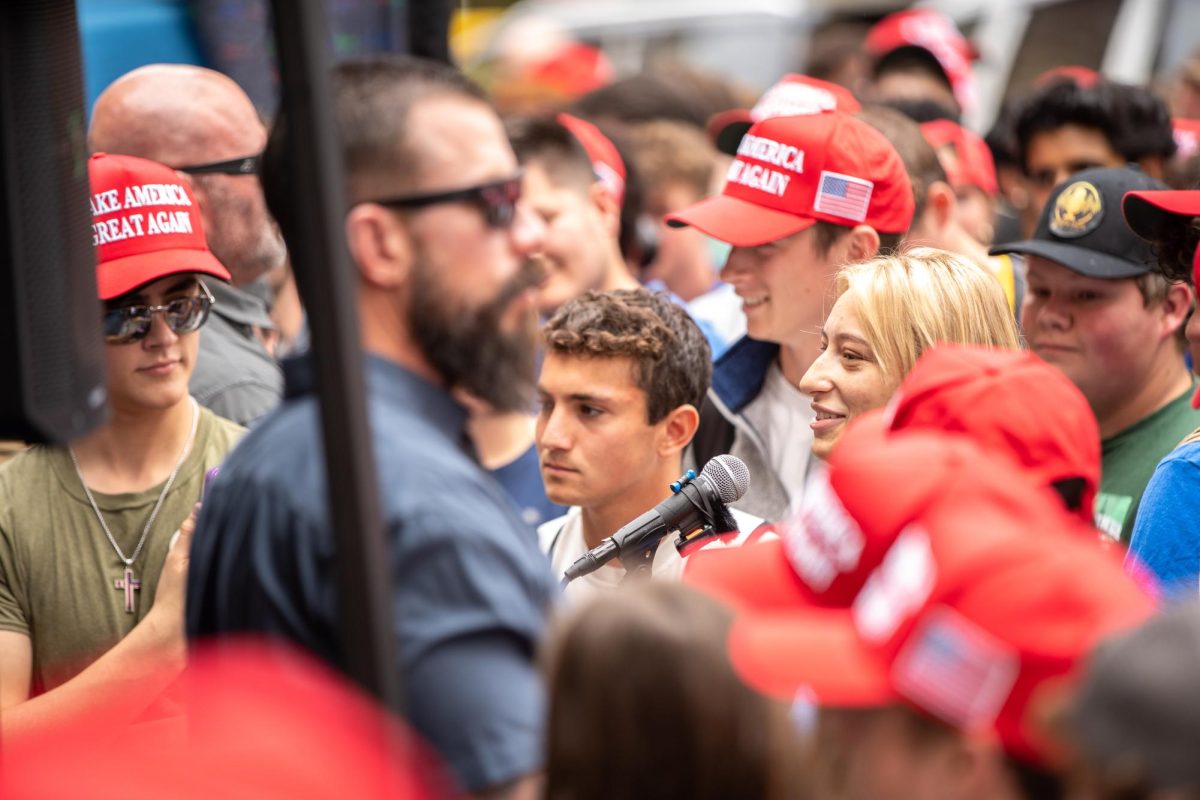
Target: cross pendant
x,y
130,584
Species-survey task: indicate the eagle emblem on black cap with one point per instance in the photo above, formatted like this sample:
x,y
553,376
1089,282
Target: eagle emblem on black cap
x,y
1077,210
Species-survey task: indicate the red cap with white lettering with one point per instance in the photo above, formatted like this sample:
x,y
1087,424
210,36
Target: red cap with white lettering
x,y
936,34
791,172
966,593
792,96
145,225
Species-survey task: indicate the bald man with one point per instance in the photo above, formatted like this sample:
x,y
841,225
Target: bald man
x,y
201,123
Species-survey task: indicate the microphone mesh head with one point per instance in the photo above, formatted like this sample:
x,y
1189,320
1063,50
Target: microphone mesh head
x,y
729,475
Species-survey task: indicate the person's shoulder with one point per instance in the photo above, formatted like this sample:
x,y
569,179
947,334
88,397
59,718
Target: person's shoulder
x,y
550,530
222,433
32,463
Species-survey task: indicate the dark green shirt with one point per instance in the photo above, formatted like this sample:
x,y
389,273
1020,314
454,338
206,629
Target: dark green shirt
x,y
1129,458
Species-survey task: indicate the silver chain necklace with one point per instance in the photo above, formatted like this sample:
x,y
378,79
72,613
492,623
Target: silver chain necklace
x,y
128,583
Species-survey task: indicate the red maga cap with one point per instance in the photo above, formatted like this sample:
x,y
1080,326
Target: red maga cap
x,y
792,96
792,171
606,161
969,162
935,33
974,391
978,594
145,225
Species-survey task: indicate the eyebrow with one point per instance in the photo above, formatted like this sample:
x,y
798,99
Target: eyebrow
x,y
182,285
853,338
579,397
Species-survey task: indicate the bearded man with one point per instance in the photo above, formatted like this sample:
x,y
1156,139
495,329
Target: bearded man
x,y
447,303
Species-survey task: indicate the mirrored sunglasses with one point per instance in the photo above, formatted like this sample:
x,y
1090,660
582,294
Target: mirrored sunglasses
x,y
125,324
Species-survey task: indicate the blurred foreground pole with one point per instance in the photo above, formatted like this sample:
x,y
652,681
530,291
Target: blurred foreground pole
x,y
325,277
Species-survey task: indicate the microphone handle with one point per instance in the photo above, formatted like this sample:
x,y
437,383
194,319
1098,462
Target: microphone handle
x,y
592,560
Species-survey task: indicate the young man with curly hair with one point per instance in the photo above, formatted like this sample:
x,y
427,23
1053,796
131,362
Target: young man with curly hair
x,y
621,386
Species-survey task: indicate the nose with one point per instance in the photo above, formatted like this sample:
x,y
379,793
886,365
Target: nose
x,y
553,430
818,379
160,334
528,230
739,263
1048,314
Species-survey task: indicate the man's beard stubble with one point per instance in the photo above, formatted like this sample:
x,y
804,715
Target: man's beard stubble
x,y
469,348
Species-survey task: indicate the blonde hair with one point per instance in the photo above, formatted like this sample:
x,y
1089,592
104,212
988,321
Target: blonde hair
x,y
909,301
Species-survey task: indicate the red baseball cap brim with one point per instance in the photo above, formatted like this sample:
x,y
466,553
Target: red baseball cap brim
x,y
738,222
1149,212
815,652
753,577
122,275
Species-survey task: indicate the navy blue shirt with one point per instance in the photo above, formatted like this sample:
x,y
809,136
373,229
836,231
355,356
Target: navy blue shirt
x,y
522,480
470,587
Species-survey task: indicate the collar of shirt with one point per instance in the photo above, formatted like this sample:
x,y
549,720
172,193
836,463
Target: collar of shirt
x,y
738,375
239,306
397,386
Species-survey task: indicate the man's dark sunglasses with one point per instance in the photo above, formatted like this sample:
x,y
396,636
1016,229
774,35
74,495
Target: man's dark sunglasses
x,y
497,200
125,324
246,165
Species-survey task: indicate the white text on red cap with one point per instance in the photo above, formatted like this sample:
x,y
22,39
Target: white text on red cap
x,y
823,541
765,179
131,225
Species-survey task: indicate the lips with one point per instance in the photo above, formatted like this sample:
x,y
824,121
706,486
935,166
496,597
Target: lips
x,y
161,367
826,418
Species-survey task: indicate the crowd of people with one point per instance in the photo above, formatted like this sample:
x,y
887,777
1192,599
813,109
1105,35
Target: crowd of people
x,y
958,370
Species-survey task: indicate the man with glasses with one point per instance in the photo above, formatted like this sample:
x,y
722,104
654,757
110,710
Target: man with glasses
x,y
200,122
446,302
91,591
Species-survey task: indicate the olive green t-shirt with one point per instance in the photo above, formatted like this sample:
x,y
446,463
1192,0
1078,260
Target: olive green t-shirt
x,y
1128,460
58,572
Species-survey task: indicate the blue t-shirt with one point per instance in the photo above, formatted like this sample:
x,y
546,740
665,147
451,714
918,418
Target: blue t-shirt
x,y
522,479
1166,533
470,588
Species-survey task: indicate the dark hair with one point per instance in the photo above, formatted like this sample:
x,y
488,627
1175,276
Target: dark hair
x,y
920,109
677,723
911,59
1035,782
828,234
1135,122
920,159
545,140
672,92
372,98
672,357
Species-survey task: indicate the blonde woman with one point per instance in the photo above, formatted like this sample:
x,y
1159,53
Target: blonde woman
x,y
888,311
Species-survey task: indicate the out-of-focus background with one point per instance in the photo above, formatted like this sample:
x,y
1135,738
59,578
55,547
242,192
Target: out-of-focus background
x,y
535,50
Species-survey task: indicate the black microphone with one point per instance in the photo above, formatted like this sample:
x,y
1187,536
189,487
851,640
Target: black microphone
x,y
697,501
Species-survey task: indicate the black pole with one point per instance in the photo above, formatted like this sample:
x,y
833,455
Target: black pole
x,y
323,273
428,26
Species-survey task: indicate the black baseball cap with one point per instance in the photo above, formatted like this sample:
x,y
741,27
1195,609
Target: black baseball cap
x,y
1082,227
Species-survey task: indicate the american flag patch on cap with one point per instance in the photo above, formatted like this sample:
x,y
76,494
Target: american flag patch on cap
x,y
956,670
843,196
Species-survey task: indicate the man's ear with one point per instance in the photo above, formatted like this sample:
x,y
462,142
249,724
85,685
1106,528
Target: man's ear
x,y
380,245
942,203
861,244
677,429
607,205
1176,305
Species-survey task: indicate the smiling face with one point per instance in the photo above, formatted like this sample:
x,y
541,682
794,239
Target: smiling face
x,y
845,380
578,238
1098,332
152,373
784,286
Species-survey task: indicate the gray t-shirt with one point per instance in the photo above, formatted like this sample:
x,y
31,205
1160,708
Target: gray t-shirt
x,y
234,374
